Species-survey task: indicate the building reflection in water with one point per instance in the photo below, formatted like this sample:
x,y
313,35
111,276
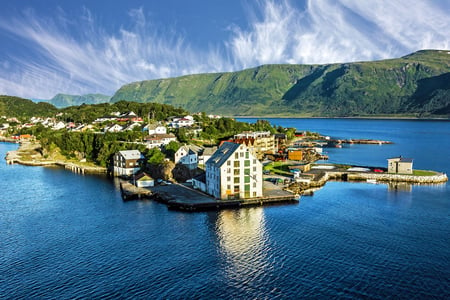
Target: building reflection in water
x,y
244,244
400,187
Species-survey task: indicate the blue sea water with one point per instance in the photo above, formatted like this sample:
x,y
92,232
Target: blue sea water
x,y
66,236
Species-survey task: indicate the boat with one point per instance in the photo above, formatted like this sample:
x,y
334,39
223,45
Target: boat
x,y
371,181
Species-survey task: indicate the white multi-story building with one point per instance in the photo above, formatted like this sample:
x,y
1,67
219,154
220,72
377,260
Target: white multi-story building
x,y
233,172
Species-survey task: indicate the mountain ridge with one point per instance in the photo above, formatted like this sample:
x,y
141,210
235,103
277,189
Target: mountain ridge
x,y
414,84
66,100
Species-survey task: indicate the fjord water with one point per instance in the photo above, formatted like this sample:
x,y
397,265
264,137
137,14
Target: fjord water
x,y
65,235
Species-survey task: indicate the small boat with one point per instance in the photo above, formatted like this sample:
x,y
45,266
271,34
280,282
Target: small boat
x,y
371,181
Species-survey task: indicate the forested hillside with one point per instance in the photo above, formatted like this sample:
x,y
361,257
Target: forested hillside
x,y
414,85
23,108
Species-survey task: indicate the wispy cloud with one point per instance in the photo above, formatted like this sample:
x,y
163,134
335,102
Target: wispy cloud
x,y
340,31
97,61
325,31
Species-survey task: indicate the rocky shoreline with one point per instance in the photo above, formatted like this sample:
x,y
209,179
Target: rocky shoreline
x,y
30,154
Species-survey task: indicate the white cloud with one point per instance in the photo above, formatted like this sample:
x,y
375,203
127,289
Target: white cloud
x,y
325,31
341,31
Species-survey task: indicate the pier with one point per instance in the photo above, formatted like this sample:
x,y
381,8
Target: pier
x,y
131,192
183,198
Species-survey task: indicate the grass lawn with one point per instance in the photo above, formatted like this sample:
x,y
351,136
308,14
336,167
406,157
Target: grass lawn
x,y
278,167
423,173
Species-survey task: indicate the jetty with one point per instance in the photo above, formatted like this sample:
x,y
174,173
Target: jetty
x,y
131,192
322,173
183,198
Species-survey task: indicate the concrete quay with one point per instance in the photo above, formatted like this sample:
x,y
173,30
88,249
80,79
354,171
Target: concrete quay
x,y
183,198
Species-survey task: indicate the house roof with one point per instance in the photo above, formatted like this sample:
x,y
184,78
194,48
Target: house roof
x,y
209,150
131,154
402,159
143,176
222,154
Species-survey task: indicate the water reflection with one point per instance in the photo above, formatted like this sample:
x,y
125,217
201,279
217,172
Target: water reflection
x,y
244,244
399,187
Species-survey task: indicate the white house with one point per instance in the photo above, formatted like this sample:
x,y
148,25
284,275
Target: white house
x,y
206,154
113,128
158,140
127,162
186,121
233,172
187,156
59,125
155,129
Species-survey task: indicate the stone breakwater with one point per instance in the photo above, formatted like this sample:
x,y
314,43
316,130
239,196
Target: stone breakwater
x,y
322,178
385,177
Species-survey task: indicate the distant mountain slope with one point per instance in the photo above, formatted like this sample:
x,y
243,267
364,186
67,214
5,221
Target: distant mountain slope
x,y
64,100
23,108
416,84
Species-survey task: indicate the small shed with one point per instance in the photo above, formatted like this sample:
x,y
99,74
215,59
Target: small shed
x,y
295,154
144,180
400,165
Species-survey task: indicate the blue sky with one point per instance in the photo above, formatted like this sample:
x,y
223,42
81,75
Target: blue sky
x,y
79,47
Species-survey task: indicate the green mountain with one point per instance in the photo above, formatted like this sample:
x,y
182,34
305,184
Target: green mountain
x,y
64,100
416,85
23,108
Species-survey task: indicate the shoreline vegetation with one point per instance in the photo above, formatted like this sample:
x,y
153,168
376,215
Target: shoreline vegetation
x,y
30,153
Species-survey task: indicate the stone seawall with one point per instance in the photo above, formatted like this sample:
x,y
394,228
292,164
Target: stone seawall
x,y
438,178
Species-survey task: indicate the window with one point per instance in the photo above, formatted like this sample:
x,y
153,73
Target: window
x,y
229,170
247,171
247,180
236,164
254,184
229,163
236,155
242,154
254,169
247,188
254,194
228,178
254,161
236,189
236,179
247,155
237,171
247,163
